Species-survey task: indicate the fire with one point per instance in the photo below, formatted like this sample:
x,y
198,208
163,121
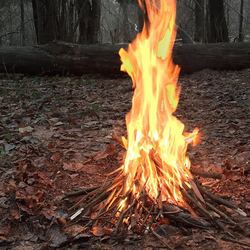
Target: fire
x,y
156,159
154,180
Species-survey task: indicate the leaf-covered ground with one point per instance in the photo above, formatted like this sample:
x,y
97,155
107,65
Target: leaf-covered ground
x,y
56,136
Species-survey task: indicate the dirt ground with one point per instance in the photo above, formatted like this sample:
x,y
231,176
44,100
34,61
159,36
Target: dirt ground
x,y
56,136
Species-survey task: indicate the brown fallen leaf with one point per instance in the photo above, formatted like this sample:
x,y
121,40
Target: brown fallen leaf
x,y
56,157
48,213
101,231
74,230
72,166
15,214
5,232
110,149
56,237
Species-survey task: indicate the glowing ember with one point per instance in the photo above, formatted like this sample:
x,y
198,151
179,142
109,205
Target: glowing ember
x,y
156,158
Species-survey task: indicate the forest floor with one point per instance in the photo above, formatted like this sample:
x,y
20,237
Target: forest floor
x,y
56,136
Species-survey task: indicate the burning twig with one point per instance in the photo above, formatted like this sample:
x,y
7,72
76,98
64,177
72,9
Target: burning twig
x,y
122,216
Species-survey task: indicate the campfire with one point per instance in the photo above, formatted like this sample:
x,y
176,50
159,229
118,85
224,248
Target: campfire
x,y
154,183
156,160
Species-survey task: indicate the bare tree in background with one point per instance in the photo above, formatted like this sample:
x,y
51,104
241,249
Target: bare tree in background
x,y
127,25
125,34
1,22
79,20
22,25
89,14
44,12
241,34
200,20
94,23
218,31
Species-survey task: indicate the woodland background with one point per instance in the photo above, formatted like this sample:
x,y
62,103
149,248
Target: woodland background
x,y
28,22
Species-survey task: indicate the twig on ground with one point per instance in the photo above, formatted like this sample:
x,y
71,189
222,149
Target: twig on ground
x,y
161,239
236,241
204,174
79,192
220,200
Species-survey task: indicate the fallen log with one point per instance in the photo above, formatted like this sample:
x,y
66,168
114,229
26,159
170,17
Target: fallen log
x,y
65,58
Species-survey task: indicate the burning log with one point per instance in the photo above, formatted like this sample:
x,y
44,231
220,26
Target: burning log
x,y
65,58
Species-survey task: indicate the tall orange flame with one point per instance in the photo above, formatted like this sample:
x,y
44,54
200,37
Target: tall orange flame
x,y
156,158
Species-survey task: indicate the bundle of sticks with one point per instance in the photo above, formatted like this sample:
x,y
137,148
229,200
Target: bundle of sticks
x,y
100,206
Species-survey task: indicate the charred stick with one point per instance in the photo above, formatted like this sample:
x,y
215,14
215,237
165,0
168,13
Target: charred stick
x,y
83,199
154,220
82,219
92,203
240,242
220,213
197,204
80,192
167,211
147,215
99,198
94,192
216,198
196,191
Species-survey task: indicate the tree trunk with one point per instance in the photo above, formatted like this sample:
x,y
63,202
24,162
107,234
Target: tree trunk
x,y
94,22
62,20
241,34
185,37
44,12
125,22
89,15
35,18
70,31
11,37
22,29
199,21
218,31
64,58
84,9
